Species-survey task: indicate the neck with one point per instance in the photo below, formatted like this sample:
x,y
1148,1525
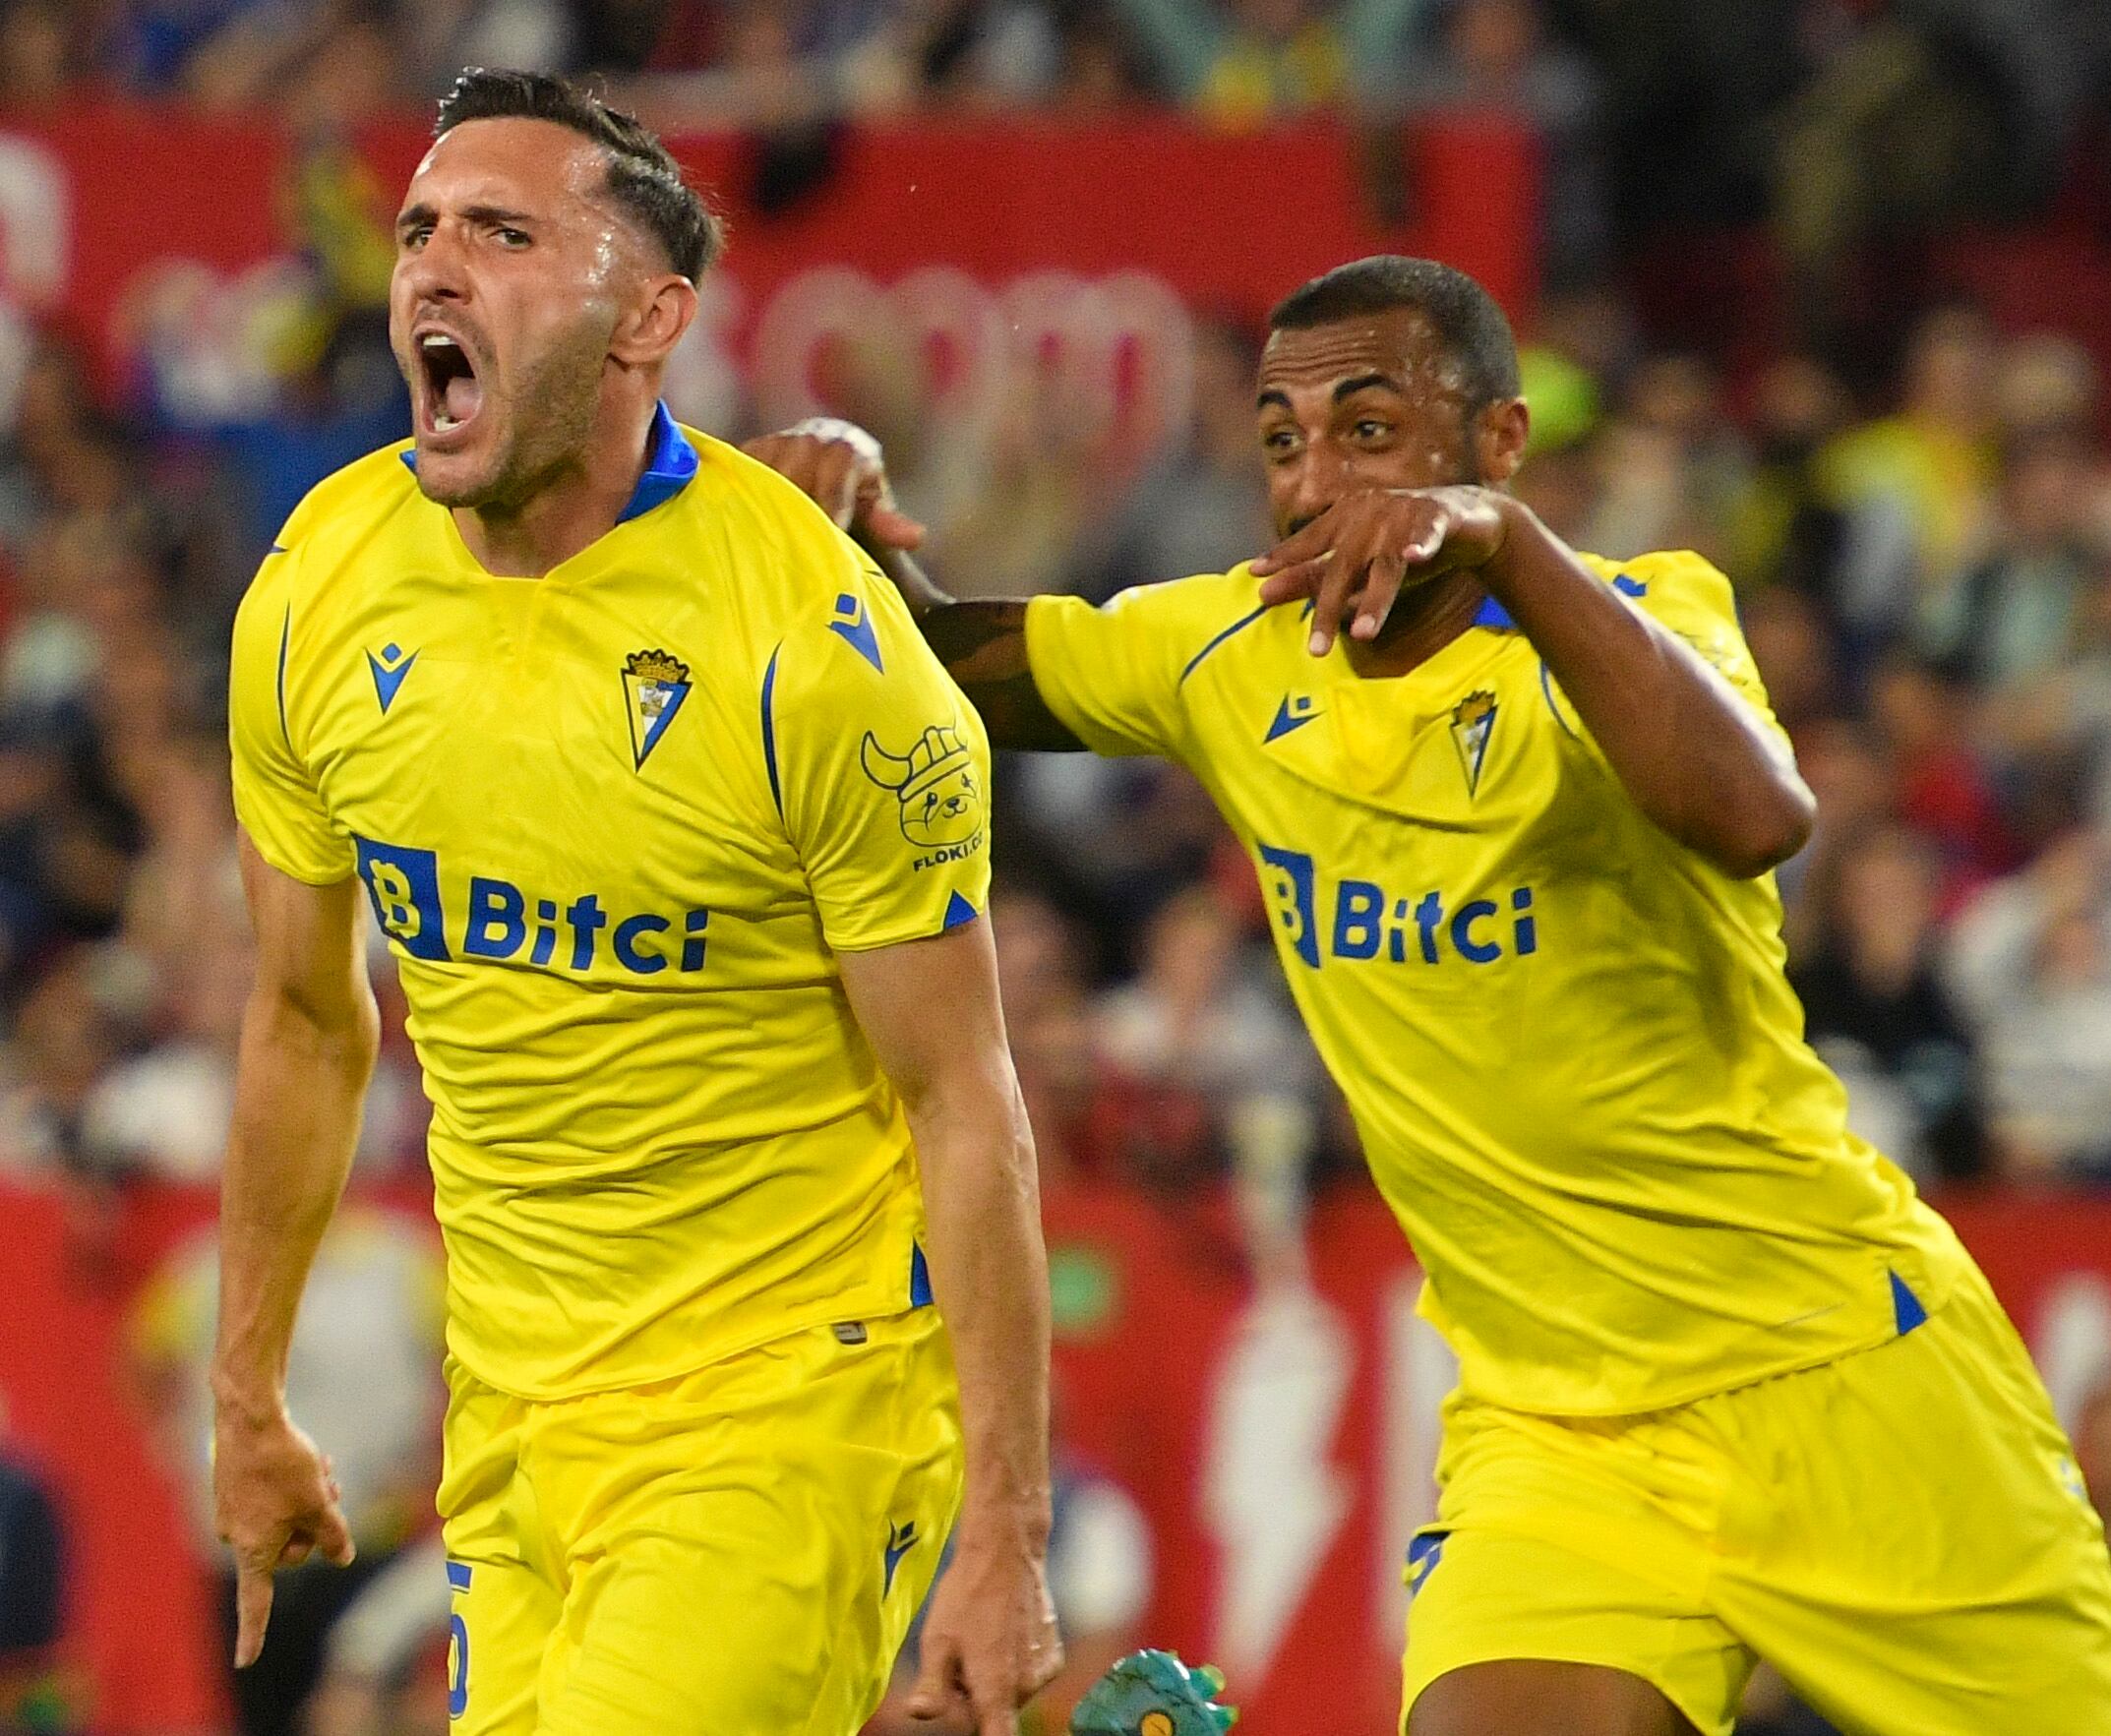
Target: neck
x,y
571,506
1423,623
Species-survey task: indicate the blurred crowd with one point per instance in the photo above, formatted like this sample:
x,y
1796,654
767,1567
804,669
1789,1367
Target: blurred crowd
x,y
1839,119
1913,504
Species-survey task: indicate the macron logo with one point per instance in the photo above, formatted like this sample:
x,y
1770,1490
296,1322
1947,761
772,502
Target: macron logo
x,y
1291,714
901,1540
389,669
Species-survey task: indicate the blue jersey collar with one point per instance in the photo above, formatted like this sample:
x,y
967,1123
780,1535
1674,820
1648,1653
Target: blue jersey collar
x,y
669,466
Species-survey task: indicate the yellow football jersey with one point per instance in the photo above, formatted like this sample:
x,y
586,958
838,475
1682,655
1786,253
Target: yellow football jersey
x,y
614,821
1568,1043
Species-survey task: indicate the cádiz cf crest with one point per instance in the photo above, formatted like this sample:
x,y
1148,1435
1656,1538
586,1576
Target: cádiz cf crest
x,y
654,685
1472,721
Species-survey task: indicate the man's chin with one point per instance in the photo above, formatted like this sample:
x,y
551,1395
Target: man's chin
x,y
457,480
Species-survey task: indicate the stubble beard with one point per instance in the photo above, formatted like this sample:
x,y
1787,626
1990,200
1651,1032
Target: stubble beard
x,y
557,397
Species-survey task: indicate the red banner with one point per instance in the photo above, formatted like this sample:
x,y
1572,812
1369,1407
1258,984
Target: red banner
x,y
181,249
1279,1442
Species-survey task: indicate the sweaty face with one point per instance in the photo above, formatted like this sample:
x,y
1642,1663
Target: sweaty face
x,y
508,271
1365,402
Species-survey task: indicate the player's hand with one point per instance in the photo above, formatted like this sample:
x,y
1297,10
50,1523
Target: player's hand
x,y
275,1504
1357,556
842,469
990,1641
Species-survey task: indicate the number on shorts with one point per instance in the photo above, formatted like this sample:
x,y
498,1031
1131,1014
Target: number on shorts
x,y
457,1645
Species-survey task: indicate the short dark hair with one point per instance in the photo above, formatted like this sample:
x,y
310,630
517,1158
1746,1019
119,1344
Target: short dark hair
x,y
1469,325
643,178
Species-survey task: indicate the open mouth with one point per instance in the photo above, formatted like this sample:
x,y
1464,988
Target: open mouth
x,y
453,393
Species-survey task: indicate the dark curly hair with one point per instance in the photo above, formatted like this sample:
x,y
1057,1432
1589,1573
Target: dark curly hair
x,y
643,178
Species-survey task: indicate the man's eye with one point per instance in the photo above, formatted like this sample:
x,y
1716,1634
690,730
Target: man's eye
x,y
1277,441
1371,429
417,237
512,237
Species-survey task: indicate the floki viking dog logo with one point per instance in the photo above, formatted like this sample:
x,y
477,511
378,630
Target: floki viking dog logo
x,y
939,791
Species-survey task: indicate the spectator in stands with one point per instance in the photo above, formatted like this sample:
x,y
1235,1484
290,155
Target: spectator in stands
x,y
1199,505
1943,784
1916,488
379,1654
1782,529
1670,463
1047,1016
1198,1014
1496,56
2013,616
1916,112
39,55
1239,63
32,1603
65,1036
2030,961
1878,1012
364,1378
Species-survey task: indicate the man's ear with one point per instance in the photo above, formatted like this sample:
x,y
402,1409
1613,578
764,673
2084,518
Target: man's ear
x,y
1500,431
655,324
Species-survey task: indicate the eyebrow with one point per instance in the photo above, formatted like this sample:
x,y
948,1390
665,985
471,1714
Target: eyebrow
x,y
1347,388
423,212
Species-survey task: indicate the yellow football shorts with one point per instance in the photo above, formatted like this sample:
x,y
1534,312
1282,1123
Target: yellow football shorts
x,y
1903,1533
737,1550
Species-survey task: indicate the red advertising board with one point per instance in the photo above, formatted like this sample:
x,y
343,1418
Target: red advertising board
x,y
1279,1441
173,247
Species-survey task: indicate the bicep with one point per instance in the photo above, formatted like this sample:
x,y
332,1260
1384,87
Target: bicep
x,y
309,942
983,646
929,1009
1111,675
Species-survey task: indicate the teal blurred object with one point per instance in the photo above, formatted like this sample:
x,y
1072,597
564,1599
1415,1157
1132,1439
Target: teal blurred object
x,y
1154,1694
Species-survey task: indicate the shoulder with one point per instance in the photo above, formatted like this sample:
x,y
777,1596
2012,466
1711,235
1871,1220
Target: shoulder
x,y
752,497
348,502
1668,581
1185,618
336,519
793,560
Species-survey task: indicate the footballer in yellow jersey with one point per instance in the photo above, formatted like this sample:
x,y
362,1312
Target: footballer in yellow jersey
x,y
676,829
1729,1390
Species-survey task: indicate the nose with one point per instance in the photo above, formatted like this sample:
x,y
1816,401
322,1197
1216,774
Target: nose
x,y
1316,481
435,271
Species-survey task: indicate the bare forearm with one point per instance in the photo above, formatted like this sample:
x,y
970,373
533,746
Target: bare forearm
x,y
988,1271
1694,756
297,1101
983,646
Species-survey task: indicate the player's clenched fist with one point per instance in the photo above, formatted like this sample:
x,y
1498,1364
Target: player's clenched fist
x,y
990,1641
275,1504
1359,553
840,466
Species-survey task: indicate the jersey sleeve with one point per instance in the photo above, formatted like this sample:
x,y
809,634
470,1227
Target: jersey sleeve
x,y
1694,599
879,767
1113,675
274,797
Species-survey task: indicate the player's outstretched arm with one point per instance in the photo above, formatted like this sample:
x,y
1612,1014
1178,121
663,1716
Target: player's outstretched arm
x,y
309,1035
983,644
1695,756
931,1012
